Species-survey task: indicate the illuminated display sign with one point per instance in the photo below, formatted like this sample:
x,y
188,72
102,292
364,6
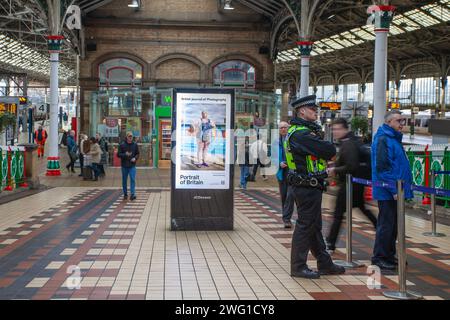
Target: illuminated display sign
x,y
8,107
333,106
23,100
394,105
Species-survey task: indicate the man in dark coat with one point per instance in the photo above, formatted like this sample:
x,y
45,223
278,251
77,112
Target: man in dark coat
x,y
129,154
348,162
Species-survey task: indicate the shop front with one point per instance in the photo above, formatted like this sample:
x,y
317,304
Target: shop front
x,y
147,112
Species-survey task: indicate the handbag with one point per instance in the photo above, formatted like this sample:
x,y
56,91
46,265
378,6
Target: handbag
x,y
73,156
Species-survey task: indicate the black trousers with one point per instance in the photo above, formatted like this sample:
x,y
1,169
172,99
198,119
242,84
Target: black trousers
x,y
340,208
255,167
386,236
287,200
71,164
308,230
81,162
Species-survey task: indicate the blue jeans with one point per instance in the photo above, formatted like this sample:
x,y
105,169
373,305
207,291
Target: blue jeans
x,y
96,169
132,173
245,170
386,236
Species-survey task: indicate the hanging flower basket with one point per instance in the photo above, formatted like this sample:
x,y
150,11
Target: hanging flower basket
x,y
7,119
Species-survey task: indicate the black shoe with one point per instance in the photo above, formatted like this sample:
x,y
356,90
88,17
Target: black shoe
x,y
125,197
80,175
288,224
132,197
306,273
384,265
333,269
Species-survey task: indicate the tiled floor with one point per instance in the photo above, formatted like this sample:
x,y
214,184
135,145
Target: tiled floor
x,y
80,243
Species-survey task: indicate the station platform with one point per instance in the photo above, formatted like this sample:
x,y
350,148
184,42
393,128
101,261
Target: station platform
x,y
66,236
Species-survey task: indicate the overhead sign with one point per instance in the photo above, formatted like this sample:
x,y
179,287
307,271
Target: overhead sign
x,y
23,100
74,17
8,107
394,105
333,106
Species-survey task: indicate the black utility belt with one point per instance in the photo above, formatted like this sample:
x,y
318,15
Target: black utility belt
x,y
298,180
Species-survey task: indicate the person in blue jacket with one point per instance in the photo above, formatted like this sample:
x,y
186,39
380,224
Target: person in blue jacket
x,y
389,164
287,198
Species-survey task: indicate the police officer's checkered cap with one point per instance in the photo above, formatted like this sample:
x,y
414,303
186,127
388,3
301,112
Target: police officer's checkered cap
x,y
307,101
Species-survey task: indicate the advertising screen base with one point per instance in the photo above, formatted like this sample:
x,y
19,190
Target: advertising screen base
x,y
202,166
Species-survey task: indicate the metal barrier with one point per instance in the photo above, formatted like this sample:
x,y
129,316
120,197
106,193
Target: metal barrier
x,y
348,263
423,160
433,232
402,293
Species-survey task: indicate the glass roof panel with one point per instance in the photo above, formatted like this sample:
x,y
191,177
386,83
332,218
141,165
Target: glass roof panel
x,y
361,34
393,29
405,23
351,37
422,18
441,13
343,41
18,55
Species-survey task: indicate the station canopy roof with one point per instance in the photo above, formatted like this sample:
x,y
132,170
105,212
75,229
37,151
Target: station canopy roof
x,y
423,17
342,38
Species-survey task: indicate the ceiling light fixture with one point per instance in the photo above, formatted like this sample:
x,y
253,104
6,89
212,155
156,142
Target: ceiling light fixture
x,y
228,5
134,4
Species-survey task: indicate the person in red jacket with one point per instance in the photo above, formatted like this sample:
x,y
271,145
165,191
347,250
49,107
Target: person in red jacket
x,y
40,136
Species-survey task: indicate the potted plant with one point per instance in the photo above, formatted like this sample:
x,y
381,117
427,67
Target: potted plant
x,y
7,119
360,126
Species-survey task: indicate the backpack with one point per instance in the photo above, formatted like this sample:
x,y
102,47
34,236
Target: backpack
x,y
365,161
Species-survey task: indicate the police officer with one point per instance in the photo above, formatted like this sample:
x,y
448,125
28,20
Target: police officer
x,y
306,155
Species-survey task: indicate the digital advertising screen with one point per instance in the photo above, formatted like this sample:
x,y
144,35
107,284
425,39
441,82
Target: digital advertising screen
x,y
203,121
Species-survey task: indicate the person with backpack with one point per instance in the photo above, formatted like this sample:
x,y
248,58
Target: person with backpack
x,y
103,143
72,151
349,161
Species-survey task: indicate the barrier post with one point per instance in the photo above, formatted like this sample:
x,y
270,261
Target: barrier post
x,y
433,232
9,180
402,294
348,263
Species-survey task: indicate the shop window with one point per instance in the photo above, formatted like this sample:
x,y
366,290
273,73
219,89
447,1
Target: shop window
x,y
234,73
120,72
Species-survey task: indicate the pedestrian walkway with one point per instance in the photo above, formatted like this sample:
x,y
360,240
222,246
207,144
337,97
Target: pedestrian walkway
x,y
64,238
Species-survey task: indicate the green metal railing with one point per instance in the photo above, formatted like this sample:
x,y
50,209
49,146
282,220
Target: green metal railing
x,y
425,159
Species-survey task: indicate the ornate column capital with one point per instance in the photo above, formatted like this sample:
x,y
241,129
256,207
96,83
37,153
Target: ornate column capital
x,y
381,17
305,47
54,43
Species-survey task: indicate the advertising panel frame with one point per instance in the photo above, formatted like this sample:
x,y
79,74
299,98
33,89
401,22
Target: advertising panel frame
x,y
200,200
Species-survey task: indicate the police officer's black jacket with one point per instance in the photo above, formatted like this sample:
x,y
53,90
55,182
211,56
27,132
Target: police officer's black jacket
x,y
309,142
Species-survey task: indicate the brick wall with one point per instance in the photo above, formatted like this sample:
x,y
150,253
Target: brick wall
x,y
174,41
177,69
